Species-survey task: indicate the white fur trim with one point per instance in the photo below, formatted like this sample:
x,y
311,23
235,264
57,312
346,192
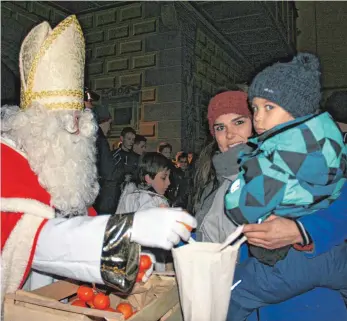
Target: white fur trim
x,y
26,205
16,253
11,143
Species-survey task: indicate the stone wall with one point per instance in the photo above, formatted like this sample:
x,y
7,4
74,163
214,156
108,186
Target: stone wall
x,y
17,18
208,66
134,62
322,31
156,66
215,69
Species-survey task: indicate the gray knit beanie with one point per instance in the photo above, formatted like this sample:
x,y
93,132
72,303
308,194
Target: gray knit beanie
x,y
295,86
336,105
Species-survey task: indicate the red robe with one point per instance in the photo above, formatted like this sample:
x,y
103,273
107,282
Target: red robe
x,y
19,181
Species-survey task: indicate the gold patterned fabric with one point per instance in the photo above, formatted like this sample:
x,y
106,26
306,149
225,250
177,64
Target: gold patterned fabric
x,y
120,256
51,64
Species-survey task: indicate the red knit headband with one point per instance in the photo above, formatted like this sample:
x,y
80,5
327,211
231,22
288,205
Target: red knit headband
x,y
226,103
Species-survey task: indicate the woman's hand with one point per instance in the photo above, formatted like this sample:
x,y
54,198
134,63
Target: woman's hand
x,y
273,233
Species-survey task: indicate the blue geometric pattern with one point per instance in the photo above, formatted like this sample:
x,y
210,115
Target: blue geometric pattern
x,y
297,168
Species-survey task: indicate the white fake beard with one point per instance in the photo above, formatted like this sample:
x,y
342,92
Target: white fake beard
x,y
63,158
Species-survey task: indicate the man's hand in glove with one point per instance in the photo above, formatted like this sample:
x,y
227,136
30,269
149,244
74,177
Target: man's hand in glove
x,y
161,227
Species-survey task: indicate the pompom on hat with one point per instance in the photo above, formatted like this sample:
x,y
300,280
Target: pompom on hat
x,y
226,103
295,86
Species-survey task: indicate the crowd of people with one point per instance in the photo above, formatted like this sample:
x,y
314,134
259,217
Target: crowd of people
x,y
276,162
251,173
119,169
294,265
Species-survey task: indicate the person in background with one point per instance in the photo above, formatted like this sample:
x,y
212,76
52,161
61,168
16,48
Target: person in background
x,y
152,182
336,106
183,180
89,97
110,176
127,138
140,145
165,149
103,119
182,161
124,155
192,160
190,157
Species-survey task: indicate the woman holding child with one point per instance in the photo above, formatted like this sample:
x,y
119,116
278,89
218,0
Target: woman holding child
x,y
285,97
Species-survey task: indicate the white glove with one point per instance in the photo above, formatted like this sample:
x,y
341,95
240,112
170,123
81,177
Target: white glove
x,y
161,227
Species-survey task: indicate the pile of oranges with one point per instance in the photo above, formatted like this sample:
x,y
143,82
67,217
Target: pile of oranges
x,y
89,297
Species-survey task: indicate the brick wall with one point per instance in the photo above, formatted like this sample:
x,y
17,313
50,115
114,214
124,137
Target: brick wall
x,y
207,66
17,18
128,47
155,65
214,67
322,27
168,61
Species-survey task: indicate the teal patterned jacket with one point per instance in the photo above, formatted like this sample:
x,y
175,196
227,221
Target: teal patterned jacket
x,y
296,169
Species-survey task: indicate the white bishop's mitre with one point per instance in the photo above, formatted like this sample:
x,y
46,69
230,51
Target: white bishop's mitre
x,y
51,64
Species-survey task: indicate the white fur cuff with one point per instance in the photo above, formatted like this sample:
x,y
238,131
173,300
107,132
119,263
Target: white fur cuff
x,y
28,206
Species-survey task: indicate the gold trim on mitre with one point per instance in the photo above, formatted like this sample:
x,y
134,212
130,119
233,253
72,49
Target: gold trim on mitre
x,y
51,64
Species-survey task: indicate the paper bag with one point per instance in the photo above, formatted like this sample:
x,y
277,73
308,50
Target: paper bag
x,y
205,276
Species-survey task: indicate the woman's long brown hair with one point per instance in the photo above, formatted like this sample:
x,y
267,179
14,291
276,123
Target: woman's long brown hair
x,y
204,174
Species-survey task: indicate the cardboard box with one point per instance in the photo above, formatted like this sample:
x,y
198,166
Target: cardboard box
x,y
151,300
175,314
